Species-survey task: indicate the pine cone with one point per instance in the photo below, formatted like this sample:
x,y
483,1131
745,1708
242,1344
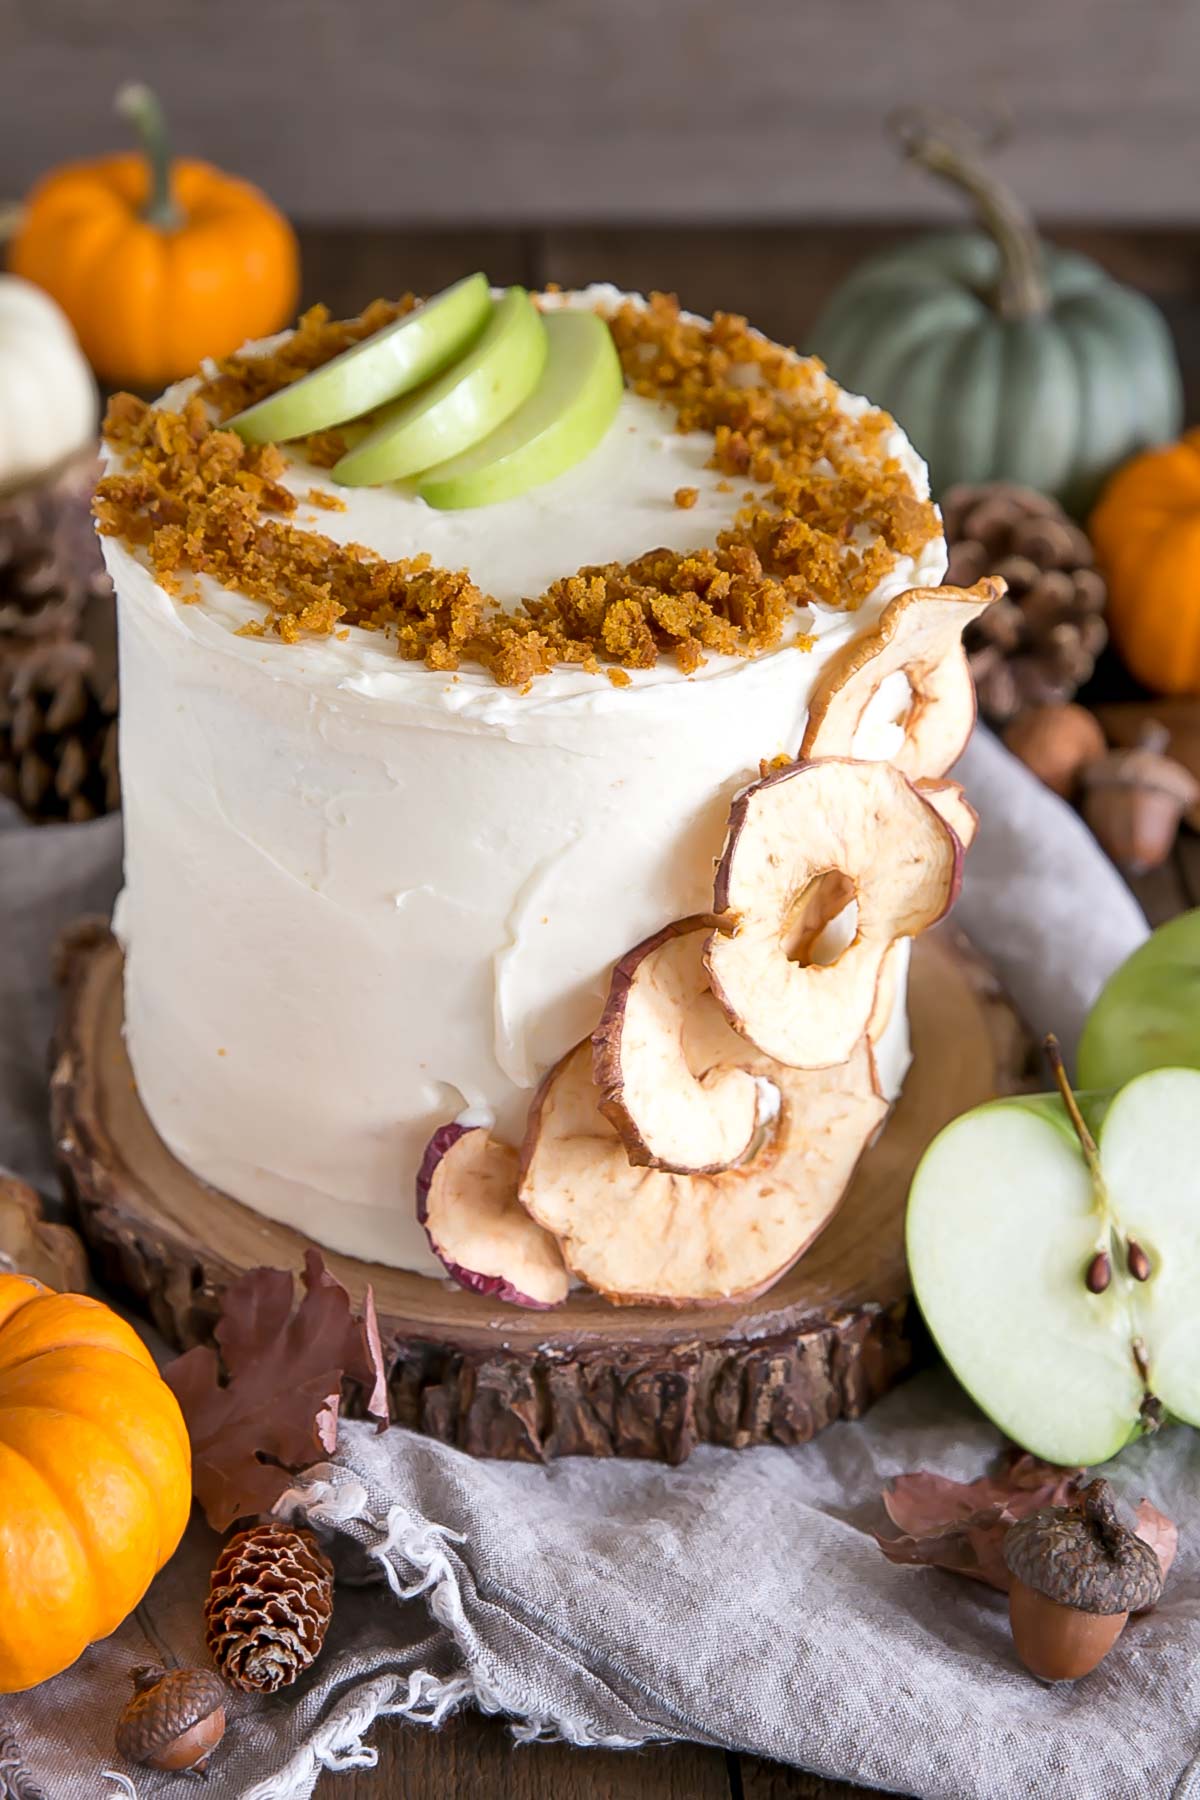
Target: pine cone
x,y
50,561
58,730
268,1608
1038,646
58,670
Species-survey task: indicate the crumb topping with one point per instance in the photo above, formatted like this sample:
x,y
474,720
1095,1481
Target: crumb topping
x,y
836,513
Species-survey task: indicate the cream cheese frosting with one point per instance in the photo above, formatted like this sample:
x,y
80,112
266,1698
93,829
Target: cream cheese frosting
x,y
363,897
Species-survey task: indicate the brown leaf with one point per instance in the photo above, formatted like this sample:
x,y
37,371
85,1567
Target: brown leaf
x,y
1161,1533
961,1525
267,1406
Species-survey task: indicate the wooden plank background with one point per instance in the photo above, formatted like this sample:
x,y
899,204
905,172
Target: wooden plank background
x,y
575,111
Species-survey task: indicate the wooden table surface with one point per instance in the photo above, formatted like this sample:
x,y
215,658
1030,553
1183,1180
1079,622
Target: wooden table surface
x,y
779,279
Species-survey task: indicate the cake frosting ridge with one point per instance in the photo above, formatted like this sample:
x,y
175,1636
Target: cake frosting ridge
x,y
364,895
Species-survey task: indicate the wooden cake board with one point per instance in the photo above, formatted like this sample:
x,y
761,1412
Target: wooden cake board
x,y
589,1378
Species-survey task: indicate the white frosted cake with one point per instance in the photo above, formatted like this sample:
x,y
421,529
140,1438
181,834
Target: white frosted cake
x,y
388,831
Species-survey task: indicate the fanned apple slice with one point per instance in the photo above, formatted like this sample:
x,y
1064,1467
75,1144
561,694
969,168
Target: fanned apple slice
x,y
791,835
919,635
661,1059
948,799
477,1229
666,1239
886,992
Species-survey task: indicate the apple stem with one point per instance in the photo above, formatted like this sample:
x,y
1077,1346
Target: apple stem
x,y
1087,1143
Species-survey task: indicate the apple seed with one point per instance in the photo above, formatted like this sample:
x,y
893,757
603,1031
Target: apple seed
x,y
1099,1272
1139,1262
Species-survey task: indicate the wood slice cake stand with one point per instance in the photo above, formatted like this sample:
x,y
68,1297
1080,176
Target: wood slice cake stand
x,y
588,1379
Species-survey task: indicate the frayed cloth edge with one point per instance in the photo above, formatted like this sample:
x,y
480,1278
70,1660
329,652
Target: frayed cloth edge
x,y
422,1546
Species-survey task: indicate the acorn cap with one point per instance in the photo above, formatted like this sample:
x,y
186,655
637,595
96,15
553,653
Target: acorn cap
x,y
166,1703
1147,766
1082,1556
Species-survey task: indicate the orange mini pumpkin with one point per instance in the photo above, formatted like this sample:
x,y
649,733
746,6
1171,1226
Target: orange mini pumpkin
x,y
1146,530
95,1476
156,263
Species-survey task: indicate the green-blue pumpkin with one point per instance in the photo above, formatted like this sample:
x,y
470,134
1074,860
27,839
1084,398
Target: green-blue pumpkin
x,y
1002,357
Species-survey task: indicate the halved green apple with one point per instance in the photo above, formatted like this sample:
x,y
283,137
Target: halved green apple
x,y
1054,1247
563,420
389,363
465,403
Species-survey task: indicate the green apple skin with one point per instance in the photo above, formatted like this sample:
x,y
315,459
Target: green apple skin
x,y
464,404
1148,1012
569,411
1004,1219
389,363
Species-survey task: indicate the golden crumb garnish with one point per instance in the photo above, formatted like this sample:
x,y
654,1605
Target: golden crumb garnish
x,y
832,511
326,501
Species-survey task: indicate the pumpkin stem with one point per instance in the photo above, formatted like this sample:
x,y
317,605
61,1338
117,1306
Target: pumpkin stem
x,y
137,104
1022,291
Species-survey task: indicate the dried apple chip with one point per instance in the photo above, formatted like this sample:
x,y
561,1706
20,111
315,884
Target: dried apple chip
x,y
947,798
661,1059
919,635
487,1242
657,1237
860,825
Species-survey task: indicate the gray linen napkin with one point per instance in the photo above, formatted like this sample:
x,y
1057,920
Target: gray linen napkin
x,y
739,1600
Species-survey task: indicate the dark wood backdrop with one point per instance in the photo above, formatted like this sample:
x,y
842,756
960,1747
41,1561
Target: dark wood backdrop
x,y
439,111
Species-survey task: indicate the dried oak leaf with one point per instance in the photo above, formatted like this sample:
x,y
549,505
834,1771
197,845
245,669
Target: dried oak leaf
x,y
1161,1533
961,1525
266,1406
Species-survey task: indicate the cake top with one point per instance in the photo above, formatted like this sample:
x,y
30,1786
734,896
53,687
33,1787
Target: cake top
x,y
795,496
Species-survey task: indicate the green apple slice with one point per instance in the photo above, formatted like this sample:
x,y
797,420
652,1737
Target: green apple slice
x,y
563,420
1009,1211
1148,1013
465,403
389,363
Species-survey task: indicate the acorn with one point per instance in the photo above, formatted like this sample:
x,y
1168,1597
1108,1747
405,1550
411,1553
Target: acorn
x,y
1077,1574
175,1719
1057,743
1135,799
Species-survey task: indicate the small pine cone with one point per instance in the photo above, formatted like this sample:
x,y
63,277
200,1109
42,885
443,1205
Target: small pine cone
x,y
1003,624
268,1608
50,559
1091,595
968,563
58,706
1000,698
1051,628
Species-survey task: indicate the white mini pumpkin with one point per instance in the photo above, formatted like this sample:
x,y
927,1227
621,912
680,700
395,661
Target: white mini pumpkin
x,y
48,402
